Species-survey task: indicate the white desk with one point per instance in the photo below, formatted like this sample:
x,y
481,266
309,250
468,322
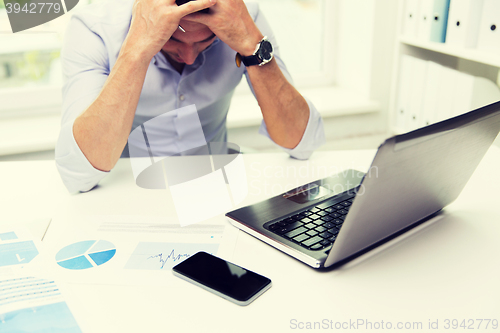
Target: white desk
x,y
447,268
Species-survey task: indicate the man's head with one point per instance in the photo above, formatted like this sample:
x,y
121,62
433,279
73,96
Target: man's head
x,y
184,47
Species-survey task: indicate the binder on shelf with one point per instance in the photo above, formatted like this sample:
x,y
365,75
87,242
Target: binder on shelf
x,y
425,18
449,93
439,20
431,92
404,92
463,93
410,19
415,116
489,28
463,22
446,94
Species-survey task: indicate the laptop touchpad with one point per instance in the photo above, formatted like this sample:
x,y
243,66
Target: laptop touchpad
x,y
306,193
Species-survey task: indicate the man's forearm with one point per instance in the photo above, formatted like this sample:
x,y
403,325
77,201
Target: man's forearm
x,y
102,130
285,111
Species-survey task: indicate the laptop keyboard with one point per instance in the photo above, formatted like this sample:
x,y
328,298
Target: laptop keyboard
x,y
315,228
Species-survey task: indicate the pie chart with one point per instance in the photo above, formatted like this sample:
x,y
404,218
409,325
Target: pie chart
x,y
85,254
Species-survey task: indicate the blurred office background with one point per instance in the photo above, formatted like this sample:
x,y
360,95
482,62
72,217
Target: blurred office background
x,y
354,59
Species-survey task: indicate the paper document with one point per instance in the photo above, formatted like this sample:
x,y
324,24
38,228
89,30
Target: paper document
x,y
29,303
128,250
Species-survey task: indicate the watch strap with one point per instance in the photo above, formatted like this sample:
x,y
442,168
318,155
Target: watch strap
x,y
251,60
254,59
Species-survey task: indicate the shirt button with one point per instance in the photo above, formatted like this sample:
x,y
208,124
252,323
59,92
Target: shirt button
x,y
181,97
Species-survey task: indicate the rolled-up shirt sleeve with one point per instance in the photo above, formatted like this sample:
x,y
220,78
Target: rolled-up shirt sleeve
x,y
314,135
85,69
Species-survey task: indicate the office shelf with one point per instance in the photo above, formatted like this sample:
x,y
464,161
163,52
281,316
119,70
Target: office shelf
x,y
487,58
479,62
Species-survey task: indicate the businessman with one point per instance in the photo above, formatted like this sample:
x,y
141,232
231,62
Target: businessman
x,y
127,62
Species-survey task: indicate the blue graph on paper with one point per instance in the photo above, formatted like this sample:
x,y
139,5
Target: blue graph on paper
x,y
85,254
157,256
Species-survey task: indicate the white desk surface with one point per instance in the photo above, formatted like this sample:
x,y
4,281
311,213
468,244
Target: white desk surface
x,y
448,268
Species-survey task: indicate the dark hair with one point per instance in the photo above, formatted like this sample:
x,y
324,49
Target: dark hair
x,y
181,2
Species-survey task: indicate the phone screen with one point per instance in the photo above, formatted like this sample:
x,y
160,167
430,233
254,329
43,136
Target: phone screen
x,y
223,277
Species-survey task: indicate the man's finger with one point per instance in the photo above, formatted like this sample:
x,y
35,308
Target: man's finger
x,y
198,18
194,6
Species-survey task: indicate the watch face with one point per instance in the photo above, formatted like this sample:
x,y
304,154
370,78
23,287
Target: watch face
x,y
266,50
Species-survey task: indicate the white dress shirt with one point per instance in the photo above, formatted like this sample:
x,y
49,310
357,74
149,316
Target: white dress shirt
x,y
91,46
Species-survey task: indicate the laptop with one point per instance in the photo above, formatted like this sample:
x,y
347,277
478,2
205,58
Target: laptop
x,y
328,222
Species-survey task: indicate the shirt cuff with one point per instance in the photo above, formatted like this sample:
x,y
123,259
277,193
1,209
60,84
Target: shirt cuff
x,y
76,171
313,137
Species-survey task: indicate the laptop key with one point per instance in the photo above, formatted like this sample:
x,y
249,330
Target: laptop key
x,y
318,222
322,213
337,221
314,217
295,232
327,218
325,242
332,239
300,238
312,241
315,209
320,229
346,203
312,233
334,215
326,234
329,225
281,230
330,210
310,226
334,231
290,227
342,211
306,220
317,246
273,227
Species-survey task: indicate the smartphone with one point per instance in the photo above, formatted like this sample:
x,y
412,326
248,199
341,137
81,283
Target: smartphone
x,y
181,2
222,278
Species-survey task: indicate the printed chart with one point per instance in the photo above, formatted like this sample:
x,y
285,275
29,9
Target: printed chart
x,y
85,254
156,256
34,305
14,251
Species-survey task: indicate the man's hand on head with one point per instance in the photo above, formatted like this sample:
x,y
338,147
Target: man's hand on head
x,y
231,22
154,22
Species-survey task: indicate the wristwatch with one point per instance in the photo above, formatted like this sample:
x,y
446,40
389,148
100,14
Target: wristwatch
x,y
262,55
